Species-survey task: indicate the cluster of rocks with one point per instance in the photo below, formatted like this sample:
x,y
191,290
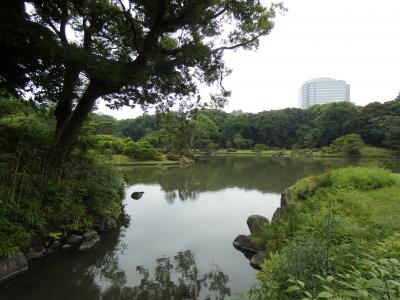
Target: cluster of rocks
x,y
305,155
252,249
18,264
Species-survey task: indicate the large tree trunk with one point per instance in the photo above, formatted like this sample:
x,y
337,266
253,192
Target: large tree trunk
x,y
71,129
63,109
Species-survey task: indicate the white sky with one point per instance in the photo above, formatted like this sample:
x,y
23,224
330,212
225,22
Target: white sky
x,y
353,40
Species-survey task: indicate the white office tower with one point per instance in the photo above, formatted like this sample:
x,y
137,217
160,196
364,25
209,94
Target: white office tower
x,y
322,91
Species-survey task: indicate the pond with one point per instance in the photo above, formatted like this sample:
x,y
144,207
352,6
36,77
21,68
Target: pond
x,y
177,240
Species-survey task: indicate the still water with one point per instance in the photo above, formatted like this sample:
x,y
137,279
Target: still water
x,y
177,240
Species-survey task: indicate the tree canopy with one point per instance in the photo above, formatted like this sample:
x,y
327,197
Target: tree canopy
x,y
139,52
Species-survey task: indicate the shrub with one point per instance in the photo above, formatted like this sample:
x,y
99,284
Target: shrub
x,y
172,156
350,144
260,147
142,150
296,147
370,278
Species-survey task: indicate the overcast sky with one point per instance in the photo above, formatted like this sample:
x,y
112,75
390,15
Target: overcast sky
x,y
353,40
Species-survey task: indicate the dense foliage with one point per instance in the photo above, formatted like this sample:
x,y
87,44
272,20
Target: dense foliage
x,y
343,125
38,202
337,240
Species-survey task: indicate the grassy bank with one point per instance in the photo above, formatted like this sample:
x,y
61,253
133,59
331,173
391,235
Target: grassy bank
x,y
122,160
338,239
365,152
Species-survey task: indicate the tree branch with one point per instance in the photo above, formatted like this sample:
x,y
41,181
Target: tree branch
x,y
129,18
242,44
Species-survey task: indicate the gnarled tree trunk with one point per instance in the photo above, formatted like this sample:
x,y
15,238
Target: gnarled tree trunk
x,y
70,130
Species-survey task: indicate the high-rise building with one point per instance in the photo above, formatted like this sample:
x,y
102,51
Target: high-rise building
x,y
322,91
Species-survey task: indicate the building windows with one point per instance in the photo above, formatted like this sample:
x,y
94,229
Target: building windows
x,y
322,91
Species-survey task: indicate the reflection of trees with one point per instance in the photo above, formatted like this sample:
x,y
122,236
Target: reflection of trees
x,y
77,275
176,278
258,172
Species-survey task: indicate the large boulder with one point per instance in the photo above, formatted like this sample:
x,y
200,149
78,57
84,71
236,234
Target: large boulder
x,y
107,224
257,260
13,266
246,244
279,214
256,223
90,238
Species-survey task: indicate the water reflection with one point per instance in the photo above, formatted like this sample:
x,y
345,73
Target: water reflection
x,y
174,278
97,275
260,173
149,258
72,275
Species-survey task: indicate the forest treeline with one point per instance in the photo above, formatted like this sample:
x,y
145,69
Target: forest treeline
x,y
377,123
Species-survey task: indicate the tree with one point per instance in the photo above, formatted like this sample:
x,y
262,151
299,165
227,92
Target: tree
x,y
140,52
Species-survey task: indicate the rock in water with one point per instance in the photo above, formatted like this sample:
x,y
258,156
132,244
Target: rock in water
x,y
137,195
35,253
13,266
107,224
73,239
255,223
55,244
66,247
90,238
245,244
257,260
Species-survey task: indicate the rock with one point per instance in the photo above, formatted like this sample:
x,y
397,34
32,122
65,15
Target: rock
x,y
66,247
73,239
107,224
13,266
89,240
89,234
286,196
279,214
246,244
255,223
50,251
257,260
55,244
34,254
137,195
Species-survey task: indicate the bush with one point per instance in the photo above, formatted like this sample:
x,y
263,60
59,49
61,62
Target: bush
x,y
370,278
350,144
142,150
296,147
172,156
260,147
